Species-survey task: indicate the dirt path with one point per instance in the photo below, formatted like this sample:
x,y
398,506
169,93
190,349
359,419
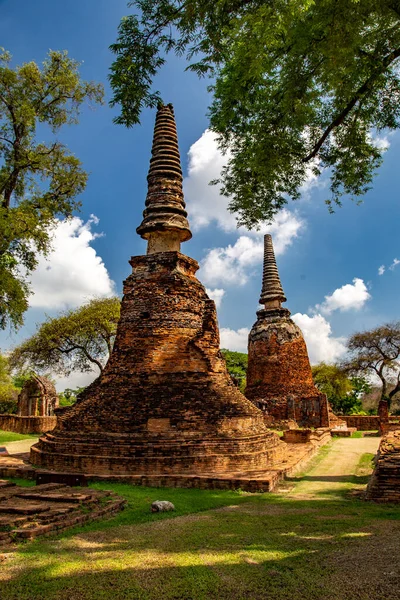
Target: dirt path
x,y
337,471
20,446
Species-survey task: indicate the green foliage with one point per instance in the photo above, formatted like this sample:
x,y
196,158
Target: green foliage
x,y
77,340
8,392
236,363
68,397
297,85
39,182
377,352
344,393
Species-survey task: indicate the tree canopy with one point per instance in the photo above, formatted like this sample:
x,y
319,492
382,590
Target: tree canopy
x,y
39,181
344,393
77,340
298,86
236,364
377,353
8,389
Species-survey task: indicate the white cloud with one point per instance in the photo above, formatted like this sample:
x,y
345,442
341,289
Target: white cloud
x,y
234,340
381,270
216,295
321,345
73,271
206,205
232,264
228,265
394,264
346,298
204,201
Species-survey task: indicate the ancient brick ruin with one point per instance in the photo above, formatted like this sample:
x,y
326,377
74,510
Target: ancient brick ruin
x,y
279,379
384,485
38,398
165,404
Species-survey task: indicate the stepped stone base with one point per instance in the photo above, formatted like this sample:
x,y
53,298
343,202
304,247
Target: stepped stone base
x,y
27,512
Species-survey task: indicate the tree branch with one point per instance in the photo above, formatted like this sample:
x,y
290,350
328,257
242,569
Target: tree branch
x,y
350,105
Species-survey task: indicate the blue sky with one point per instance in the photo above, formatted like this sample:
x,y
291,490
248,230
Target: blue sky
x,y
328,263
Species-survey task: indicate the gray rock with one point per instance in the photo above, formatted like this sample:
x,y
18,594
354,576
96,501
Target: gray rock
x,y
162,506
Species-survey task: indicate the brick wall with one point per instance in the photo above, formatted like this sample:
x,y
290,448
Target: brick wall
x,y
384,485
27,424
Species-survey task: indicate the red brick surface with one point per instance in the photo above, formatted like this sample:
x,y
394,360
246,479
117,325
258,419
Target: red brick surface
x,y
279,378
165,403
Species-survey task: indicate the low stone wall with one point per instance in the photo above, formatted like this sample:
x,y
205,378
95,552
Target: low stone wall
x,y
362,422
27,424
317,437
369,422
384,485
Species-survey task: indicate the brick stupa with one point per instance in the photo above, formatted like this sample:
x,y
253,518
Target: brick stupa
x,y
279,378
165,404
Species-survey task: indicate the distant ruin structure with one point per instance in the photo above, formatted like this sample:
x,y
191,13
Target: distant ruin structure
x,y
164,404
279,378
38,398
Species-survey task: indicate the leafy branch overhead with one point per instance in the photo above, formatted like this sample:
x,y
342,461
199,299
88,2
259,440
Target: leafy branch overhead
x,y
297,85
39,181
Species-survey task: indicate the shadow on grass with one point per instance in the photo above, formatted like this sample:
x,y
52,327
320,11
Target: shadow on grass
x,y
354,479
265,546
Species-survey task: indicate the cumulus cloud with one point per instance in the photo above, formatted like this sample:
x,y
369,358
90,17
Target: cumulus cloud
x,y
349,296
394,264
232,264
228,265
381,270
205,203
321,345
73,271
216,295
234,340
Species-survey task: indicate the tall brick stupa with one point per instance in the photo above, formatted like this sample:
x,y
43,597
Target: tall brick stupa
x,y
279,378
164,404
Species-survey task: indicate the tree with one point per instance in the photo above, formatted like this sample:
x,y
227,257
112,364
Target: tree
x,y
78,340
298,86
39,181
68,397
236,364
344,393
377,353
8,392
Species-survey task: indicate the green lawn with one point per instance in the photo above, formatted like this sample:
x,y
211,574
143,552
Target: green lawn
x,y
254,547
9,436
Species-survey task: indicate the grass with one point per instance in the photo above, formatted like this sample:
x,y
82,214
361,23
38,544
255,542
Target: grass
x,y
9,436
253,547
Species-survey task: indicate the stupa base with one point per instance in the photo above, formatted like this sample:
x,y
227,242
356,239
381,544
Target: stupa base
x,y
117,454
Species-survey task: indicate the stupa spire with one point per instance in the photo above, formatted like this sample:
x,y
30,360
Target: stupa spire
x,y
272,294
165,223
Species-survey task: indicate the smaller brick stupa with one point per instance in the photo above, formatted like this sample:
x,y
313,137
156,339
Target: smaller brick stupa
x,y
279,378
164,406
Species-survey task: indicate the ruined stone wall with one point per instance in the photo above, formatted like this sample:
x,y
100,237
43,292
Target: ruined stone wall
x,y
38,398
27,425
363,423
384,485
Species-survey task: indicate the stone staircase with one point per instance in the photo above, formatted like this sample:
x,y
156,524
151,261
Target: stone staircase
x,y
27,512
